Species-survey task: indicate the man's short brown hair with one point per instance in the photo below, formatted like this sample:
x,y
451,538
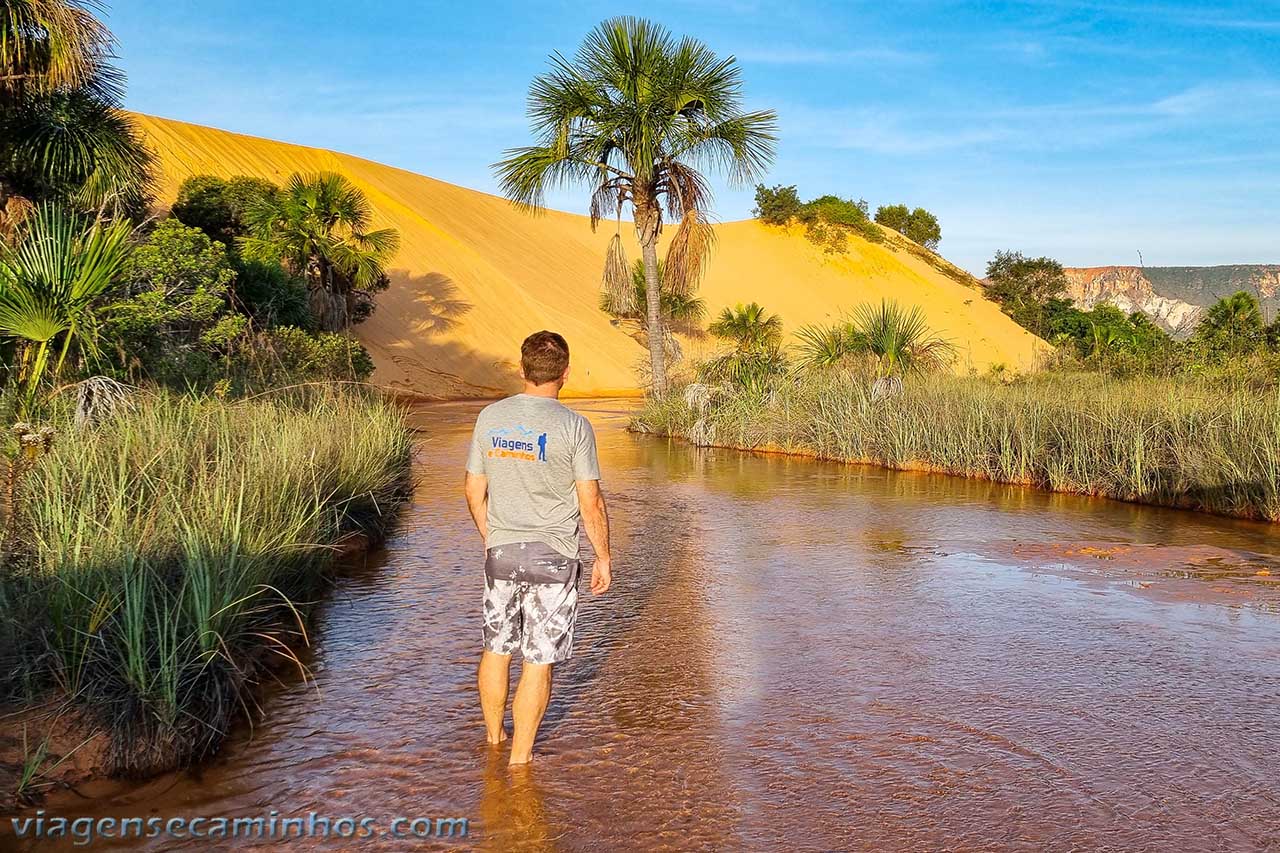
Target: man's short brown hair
x,y
544,357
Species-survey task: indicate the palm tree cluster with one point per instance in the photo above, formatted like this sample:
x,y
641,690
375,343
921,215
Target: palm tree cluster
x,y
63,136
319,226
633,116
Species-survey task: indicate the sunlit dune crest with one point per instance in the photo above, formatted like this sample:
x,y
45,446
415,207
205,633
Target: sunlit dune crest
x,y
475,275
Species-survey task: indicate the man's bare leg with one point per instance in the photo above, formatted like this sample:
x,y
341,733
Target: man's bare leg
x,y
532,695
494,680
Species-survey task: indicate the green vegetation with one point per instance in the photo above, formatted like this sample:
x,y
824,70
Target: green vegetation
x,y
630,116
319,226
1232,342
52,275
159,541
157,559
919,225
897,338
1024,287
1082,425
1179,443
756,357
63,137
827,219
220,208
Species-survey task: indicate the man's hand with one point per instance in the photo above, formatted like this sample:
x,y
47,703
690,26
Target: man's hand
x,y
595,517
601,576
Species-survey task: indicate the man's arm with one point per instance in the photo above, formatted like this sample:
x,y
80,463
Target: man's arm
x,y
476,488
595,518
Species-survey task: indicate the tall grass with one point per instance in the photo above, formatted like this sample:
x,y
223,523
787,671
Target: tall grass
x,y
159,559
1158,441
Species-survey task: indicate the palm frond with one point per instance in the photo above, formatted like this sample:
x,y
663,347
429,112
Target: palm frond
x,y
750,327
688,254
50,44
615,283
526,174
822,346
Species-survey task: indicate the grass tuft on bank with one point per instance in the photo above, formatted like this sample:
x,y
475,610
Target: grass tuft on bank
x,y
157,562
1157,441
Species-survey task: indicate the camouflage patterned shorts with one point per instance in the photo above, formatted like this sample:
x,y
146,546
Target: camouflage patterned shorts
x,y
530,601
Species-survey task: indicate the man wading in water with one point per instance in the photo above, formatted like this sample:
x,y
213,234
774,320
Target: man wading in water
x,y
532,474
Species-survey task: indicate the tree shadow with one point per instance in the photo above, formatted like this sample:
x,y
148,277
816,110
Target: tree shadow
x,y
441,305
430,306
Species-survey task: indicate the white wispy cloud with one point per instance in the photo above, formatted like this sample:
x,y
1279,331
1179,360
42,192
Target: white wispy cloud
x,y
1242,104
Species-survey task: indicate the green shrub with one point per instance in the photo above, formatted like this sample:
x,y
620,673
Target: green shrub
x,y
825,218
919,225
776,205
217,206
269,294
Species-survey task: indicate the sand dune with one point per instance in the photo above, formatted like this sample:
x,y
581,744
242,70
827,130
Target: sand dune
x,y
475,275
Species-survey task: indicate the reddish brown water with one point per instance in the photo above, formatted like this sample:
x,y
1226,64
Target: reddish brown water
x,y
797,655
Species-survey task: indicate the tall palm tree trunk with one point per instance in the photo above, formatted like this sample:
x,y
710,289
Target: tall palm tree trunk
x,y
648,226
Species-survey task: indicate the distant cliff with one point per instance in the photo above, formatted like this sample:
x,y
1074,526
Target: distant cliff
x,y
1174,297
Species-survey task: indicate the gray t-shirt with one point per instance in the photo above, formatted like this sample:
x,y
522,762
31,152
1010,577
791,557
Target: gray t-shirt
x,y
532,450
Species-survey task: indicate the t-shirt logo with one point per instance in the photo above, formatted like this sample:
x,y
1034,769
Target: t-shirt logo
x,y
522,446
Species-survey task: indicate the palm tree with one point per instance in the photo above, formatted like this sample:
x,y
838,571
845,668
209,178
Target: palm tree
x,y
757,353
47,45
50,279
1233,324
319,226
749,327
72,146
62,134
632,116
899,338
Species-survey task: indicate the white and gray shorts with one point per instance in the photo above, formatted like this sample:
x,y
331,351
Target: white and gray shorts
x,y
530,601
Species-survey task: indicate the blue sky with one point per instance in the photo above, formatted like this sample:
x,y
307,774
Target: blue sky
x,y
1086,131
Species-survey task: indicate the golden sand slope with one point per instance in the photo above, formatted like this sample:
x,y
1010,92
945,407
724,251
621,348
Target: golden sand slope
x,y
475,275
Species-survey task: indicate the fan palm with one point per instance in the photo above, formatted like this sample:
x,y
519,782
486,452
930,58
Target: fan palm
x,y
632,116
73,146
50,279
62,134
757,353
1233,324
749,327
319,226
50,44
899,338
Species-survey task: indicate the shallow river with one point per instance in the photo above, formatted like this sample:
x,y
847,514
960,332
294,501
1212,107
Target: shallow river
x,y
800,655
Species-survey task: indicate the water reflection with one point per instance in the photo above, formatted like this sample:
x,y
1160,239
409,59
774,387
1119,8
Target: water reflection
x,y
794,653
